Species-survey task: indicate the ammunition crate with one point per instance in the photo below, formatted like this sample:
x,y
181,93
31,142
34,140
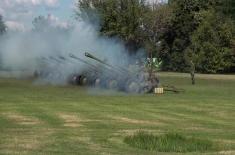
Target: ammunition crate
x,y
158,90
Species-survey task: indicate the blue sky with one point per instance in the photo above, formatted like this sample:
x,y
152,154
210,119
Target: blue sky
x,y
64,10
19,14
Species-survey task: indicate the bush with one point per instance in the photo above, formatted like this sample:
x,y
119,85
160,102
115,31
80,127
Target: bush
x,y
171,142
211,48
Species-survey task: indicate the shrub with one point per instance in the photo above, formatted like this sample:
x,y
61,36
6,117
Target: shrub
x,y
170,142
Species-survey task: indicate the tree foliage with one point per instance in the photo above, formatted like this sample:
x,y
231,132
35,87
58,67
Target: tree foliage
x,y
156,25
185,19
123,19
40,23
2,26
179,33
227,7
212,44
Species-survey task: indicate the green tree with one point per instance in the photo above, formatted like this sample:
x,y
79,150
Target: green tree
x,y
227,7
2,31
2,26
40,23
43,24
185,19
155,25
172,31
123,19
212,44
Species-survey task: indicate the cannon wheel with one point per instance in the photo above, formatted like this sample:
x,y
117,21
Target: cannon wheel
x,y
83,81
112,84
133,87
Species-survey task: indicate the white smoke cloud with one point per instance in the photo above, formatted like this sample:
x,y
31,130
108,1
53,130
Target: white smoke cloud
x,y
32,50
48,50
2,12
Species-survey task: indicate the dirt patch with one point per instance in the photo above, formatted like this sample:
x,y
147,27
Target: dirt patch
x,y
22,119
22,141
199,128
94,147
225,141
221,114
232,152
70,120
136,121
129,132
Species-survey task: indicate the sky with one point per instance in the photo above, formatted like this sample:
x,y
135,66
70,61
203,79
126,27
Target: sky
x,y
19,14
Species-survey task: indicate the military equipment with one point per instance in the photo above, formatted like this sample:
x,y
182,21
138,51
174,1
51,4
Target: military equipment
x,y
55,59
89,75
125,80
83,61
173,89
119,69
100,73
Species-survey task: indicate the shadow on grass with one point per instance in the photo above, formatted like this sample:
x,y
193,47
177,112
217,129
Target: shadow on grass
x,y
170,142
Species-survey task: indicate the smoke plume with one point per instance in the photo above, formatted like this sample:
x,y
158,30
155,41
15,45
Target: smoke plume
x,y
48,49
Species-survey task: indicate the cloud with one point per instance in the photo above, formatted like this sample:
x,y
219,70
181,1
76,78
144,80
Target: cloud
x,y
15,26
51,19
18,14
49,3
56,22
50,22
17,6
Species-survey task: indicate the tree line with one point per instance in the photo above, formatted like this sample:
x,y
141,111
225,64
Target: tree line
x,y
2,26
180,33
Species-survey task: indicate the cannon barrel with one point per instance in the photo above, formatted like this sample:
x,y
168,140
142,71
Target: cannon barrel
x,y
94,67
97,59
120,70
83,61
62,58
56,60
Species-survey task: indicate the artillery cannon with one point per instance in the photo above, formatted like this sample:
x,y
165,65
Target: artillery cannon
x,y
126,80
103,74
86,77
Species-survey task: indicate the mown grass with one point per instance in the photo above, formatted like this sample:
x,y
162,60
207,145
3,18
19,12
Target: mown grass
x,y
169,142
36,119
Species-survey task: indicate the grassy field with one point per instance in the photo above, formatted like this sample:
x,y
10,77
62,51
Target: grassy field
x,y
71,120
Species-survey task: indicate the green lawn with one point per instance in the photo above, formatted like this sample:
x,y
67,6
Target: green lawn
x,y
71,120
